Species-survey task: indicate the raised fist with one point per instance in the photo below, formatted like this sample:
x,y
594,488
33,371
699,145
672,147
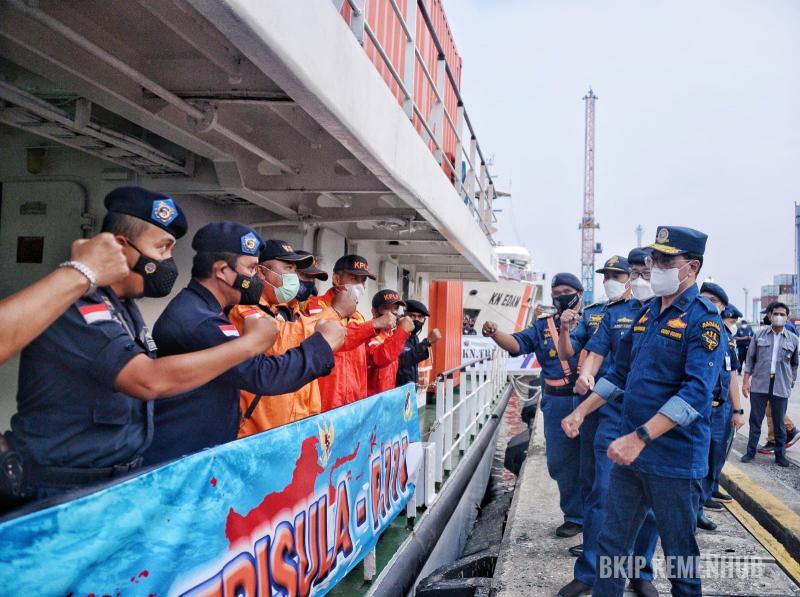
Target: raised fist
x,y
103,255
332,331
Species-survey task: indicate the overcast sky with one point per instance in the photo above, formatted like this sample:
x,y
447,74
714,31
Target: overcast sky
x,y
698,124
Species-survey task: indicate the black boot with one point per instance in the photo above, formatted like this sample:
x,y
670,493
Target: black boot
x,y
569,529
705,523
575,589
643,588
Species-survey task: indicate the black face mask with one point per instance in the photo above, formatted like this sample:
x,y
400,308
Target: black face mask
x,y
566,301
418,326
307,289
159,276
250,288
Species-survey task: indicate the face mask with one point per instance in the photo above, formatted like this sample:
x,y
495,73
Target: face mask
x,y
743,325
307,290
614,289
417,326
290,285
566,301
250,288
731,327
665,282
356,291
641,289
778,321
159,276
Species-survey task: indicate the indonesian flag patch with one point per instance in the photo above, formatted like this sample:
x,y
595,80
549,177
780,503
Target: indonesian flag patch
x,y
95,313
229,330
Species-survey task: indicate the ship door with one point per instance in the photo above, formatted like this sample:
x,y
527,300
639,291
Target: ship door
x,y
38,222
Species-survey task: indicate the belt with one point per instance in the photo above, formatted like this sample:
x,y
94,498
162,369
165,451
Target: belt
x,y
561,391
62,477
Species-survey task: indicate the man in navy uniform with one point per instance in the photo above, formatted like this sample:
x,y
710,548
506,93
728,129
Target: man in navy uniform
x,y
563,453
667,367
725,412
224,273
616,284
86,385
601,351
415,350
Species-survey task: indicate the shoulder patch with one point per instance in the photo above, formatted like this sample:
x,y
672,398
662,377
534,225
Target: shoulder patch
x,y
229,330
710,339
95,313
713,325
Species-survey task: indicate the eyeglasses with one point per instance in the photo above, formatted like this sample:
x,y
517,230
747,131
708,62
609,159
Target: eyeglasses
x,y
636,275
662,261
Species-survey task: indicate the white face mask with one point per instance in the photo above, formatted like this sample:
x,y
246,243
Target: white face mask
x,y
641,289
779,321
356,291
731,327
614,289
665,282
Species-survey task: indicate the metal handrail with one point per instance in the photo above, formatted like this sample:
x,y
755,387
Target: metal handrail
x,y
457,423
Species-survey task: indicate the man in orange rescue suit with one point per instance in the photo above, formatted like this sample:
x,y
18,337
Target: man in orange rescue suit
x,y
278,267
348,380
383,351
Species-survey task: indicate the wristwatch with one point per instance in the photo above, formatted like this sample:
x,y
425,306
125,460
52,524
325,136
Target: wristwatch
x,y
644,435
86,271
739,412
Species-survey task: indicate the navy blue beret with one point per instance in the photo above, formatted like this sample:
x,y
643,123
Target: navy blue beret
x,y
227,237
731,312
676,240
568,279
716,290
638,255
413,306
615,264
155,208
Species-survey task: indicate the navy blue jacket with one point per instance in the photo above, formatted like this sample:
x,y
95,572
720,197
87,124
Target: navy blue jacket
x,y
536,339
68,414
617,320
669,363
209,415
414,352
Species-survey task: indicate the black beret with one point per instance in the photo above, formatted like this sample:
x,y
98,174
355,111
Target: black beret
x,y
413,306
227,237
568,279
154,208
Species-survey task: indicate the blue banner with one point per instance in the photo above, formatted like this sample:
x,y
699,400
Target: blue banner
x,y
286,512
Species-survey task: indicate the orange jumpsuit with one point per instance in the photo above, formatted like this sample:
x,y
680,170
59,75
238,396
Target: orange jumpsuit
x,y
383,359
348,380
273,411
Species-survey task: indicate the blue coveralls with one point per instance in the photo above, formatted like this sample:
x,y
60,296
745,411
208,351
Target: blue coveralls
x,y
68,414
668,363
583,332
617,321
209,415
563,453
721,426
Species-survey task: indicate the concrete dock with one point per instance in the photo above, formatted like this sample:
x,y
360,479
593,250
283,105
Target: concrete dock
x,y
533,561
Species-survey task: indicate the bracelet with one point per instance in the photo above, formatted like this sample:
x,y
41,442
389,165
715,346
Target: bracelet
x,y
86,271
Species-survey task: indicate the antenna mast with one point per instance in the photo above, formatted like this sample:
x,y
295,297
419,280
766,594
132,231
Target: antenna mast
x,y
588,224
